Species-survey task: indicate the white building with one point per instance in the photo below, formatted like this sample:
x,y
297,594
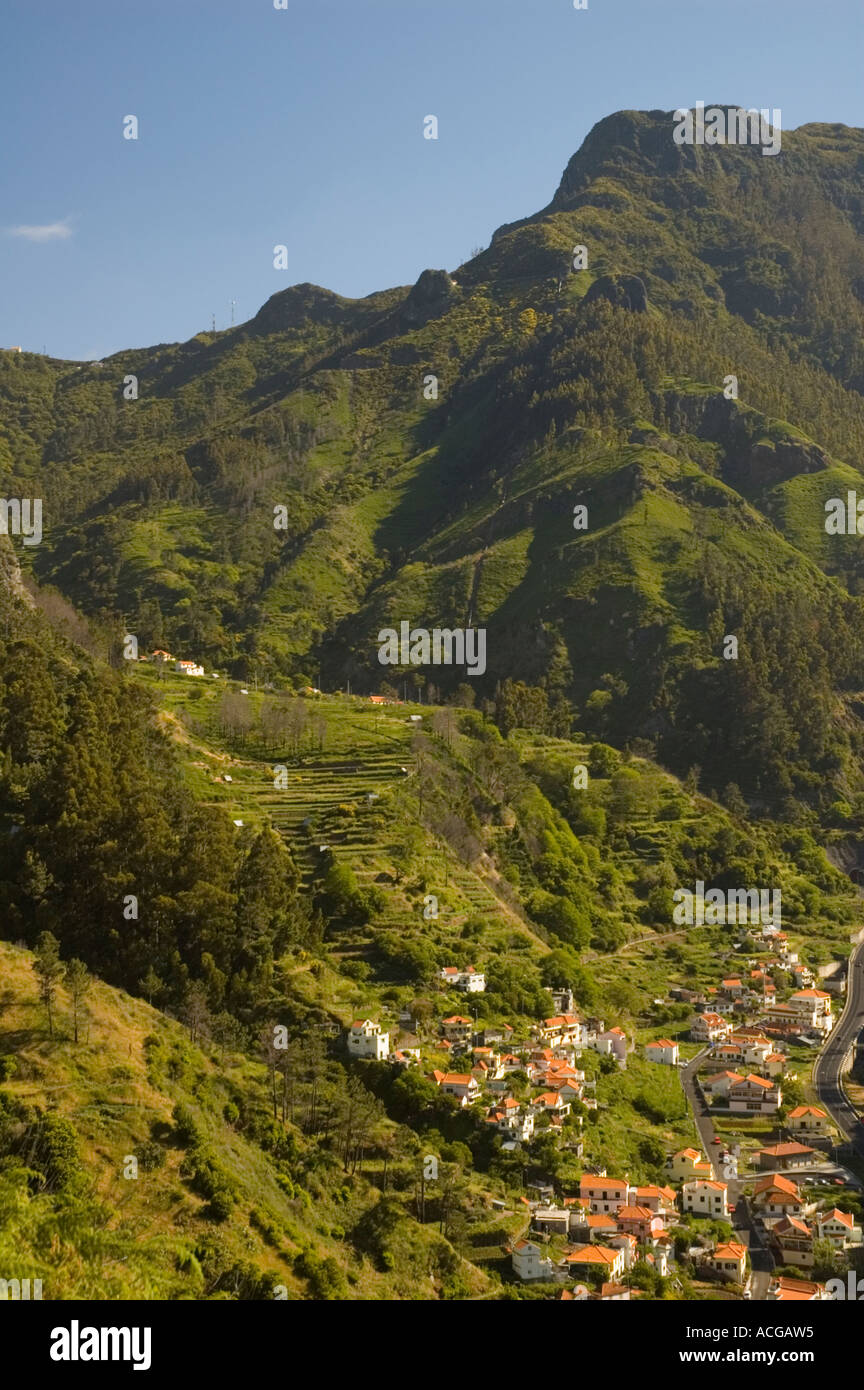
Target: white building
x,y
563,1028
469,980
461,1085
529,1261
612,1043
365,1039
709,1027
705,1198
755,1095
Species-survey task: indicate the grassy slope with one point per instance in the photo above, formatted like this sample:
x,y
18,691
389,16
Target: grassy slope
x,y
143,1242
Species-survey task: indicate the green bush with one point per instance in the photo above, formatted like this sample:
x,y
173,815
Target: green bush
x,y
150,1156
186,1128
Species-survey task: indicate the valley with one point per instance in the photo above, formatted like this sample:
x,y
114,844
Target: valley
x,y
464,914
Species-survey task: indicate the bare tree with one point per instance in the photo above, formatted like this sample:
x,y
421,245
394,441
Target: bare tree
x,y
196,1012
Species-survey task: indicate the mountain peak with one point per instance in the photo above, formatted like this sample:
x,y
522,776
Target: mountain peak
x,y
639,142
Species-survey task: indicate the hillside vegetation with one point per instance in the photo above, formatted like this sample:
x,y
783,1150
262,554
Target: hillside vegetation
x,y
195,867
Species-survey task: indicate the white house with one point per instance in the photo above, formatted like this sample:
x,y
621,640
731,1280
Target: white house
x,y
612,1043
472,981
807,1119
705,1198
806,1008
689,1164
755,1095
777,1197
814,1006
551,1220
365,1039
709,1027
721,1083
463,1086
659,1199
731,1261
188,668
605,1194
792,1240
751,1049
512,1122
563,1028
785,1290
553,1103
593,1257
838,1227
734,987
457,1029
663,1051
529,1261
469,980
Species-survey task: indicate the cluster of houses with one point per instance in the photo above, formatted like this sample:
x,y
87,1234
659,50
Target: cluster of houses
x,y
490,1057
163,658
750,1060
613,1223
594,1239
806,1013
608,1227
792,1224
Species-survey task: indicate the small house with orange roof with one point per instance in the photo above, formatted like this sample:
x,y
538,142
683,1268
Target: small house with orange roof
x,y
664,1051
730,1261
591,1258
687,1164
807,1119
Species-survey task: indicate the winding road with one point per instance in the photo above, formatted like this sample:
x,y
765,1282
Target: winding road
x,y
828,1066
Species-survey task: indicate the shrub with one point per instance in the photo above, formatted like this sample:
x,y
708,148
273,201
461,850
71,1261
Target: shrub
x,y
55,1152
186,1128
150,1156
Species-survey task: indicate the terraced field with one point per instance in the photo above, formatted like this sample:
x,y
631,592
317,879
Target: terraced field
x,y
329,795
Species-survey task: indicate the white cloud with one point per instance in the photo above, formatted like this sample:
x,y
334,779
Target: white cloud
x,y
50,231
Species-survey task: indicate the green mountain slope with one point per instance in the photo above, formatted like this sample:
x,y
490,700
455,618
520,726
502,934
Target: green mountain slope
x,y
602,386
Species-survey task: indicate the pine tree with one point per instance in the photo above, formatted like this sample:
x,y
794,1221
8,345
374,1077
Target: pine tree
x,y
50,969
78,983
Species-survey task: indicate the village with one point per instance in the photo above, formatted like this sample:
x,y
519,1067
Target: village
x,y
773,1197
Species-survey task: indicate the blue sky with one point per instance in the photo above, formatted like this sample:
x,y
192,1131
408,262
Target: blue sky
x,y
304,127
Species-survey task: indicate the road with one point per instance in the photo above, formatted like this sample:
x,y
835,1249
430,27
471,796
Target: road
x,y
699,1109
827,1068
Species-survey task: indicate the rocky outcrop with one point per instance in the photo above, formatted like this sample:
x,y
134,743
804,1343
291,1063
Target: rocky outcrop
x,y
10,574
624,291
432,296
757,453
